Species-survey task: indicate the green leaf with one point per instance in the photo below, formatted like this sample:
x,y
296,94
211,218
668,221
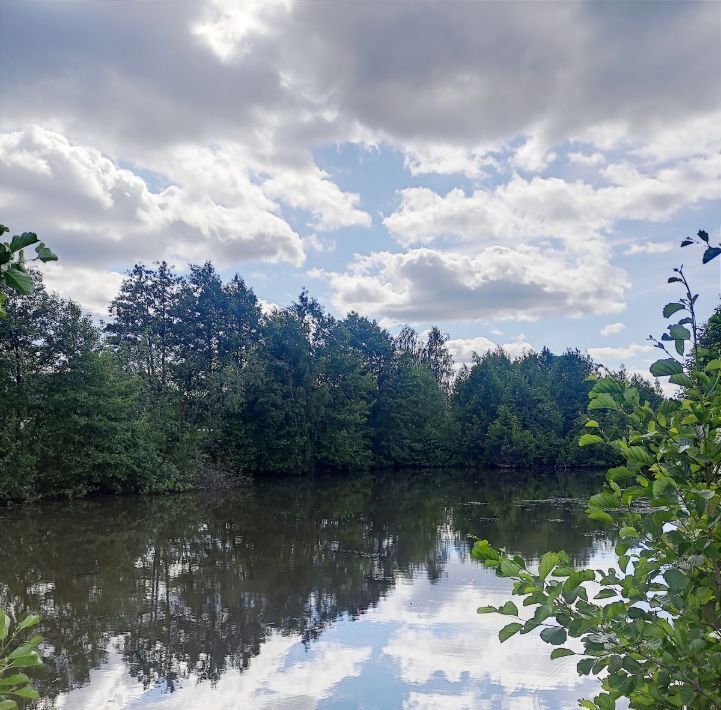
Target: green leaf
x,y
20,241
18,279
509,630
660,485
679,332
592,424
547,563
677,581
710,253
606,594
486,610
713,365
28,622
667,366
508,568
561,652
670,308
15,679
583,667
681,379
482,550
509,609
8,705
45,254
555,635
600,515
4,625
26,693
603,401
29,661
587,439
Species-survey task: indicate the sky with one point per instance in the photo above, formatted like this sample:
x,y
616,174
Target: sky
x,y
517,173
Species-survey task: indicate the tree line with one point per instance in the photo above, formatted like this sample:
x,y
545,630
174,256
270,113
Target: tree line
x,y
190,384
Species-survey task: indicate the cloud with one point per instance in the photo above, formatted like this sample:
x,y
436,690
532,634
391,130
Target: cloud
x,y
586,159
429,285
92,289
648,248
463,349
202,141
313,243
612,328
448,159
618,355
540,208
533,156
312,190
297,73
94,212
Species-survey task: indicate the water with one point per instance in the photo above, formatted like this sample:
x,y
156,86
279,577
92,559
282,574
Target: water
x,y
328,592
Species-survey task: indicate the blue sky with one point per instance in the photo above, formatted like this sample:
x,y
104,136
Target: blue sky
x,y
517,173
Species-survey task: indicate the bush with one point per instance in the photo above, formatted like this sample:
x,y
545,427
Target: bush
x,y
652,630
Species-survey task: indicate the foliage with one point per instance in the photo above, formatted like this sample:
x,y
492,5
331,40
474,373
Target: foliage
x,y
191,385
650,628
13,270
17,655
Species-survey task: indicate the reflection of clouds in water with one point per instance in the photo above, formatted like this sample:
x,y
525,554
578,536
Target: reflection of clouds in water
x,y
110,686
438,639
272,681
421,645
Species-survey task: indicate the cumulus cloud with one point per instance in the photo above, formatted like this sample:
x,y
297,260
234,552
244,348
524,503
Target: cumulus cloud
x,y
618,355
648,248
586,159
447,159
552,207
463,349
94,211
533,156
426,284
612,328
91,288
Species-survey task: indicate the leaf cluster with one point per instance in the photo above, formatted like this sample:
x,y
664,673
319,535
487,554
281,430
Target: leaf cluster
x,y
16,656
650,628
13,272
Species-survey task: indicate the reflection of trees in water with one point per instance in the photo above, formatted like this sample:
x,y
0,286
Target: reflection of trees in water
x,y
529,515
195,584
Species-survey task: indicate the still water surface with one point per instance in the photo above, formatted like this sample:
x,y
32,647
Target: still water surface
x,y
325,592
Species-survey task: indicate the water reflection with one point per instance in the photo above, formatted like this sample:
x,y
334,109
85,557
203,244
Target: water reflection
x,y
142,597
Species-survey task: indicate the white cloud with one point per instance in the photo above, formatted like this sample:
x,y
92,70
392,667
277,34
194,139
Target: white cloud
x,y
447,159
429,285
91,288
310,189
463,349
586,159
313,243
648,248
612,328
540,208
533,156
95,211
618,355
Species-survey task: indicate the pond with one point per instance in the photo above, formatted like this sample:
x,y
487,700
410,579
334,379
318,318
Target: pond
x,y
352,591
